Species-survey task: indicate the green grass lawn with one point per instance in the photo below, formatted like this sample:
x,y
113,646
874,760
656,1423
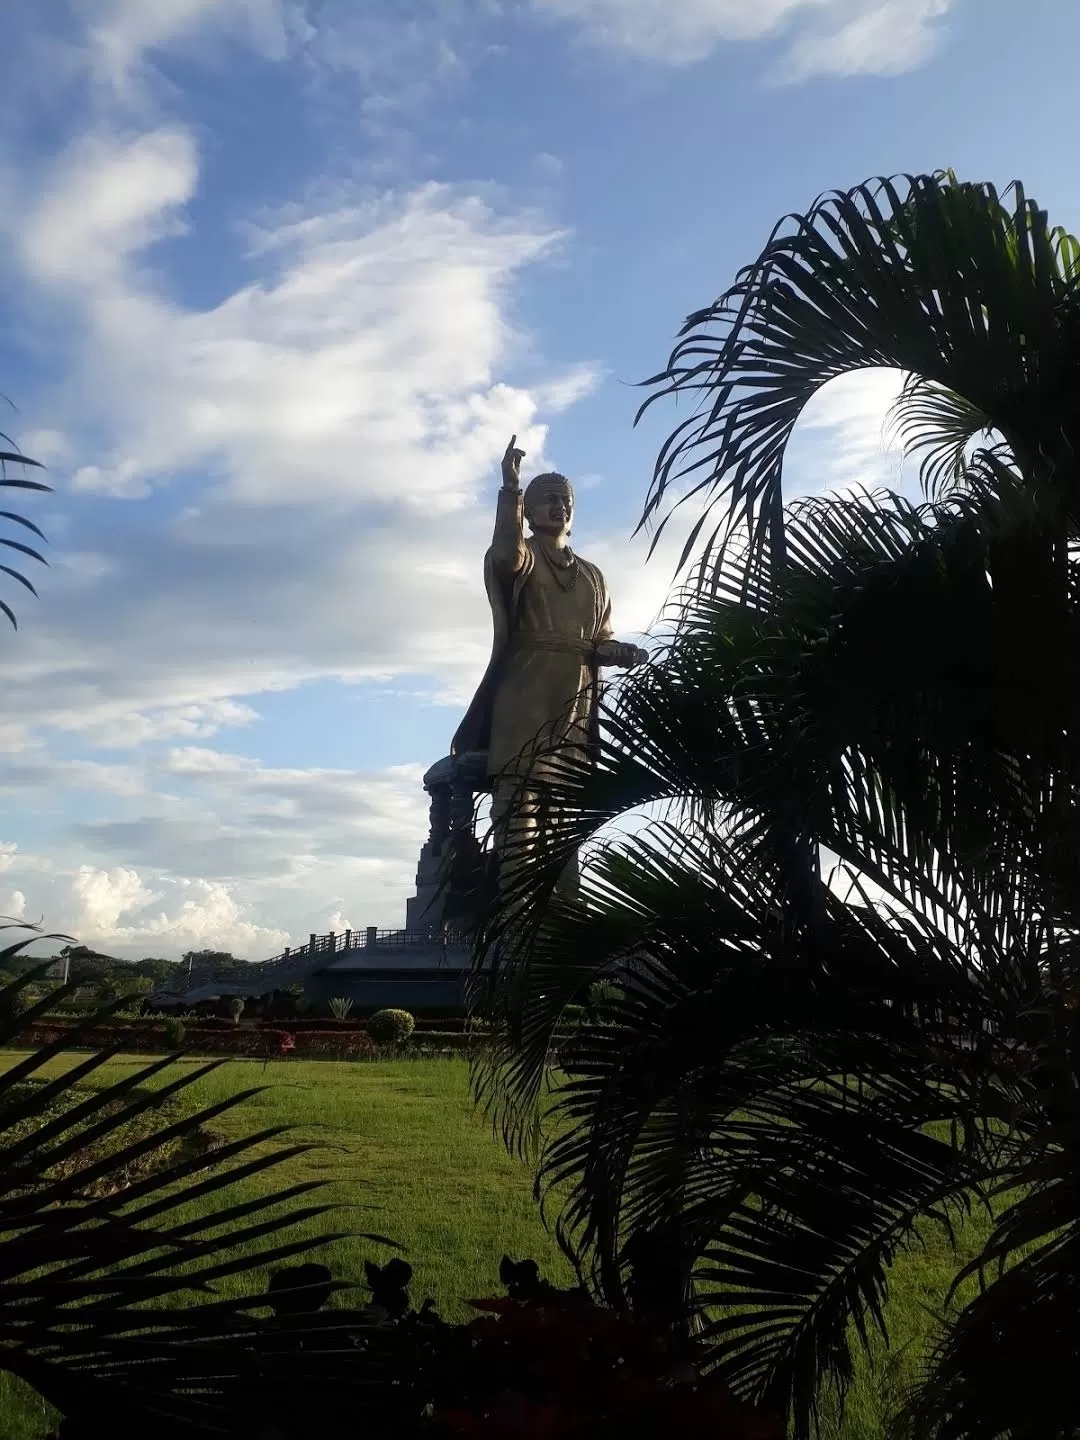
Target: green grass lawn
x,y
403,1147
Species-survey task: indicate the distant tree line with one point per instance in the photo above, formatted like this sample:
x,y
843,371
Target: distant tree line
x,y
89,967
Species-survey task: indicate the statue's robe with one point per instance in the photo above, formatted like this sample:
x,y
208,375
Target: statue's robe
x,y
541,687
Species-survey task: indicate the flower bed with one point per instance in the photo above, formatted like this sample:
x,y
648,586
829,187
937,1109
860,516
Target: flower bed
x,y
328,1042
257,1043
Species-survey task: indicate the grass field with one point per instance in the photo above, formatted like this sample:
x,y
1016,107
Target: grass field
x,y
403,1147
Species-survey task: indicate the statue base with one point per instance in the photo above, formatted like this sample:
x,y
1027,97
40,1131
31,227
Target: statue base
x,y
452,868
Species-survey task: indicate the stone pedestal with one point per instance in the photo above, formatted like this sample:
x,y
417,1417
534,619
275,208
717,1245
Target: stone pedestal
x,y
450,872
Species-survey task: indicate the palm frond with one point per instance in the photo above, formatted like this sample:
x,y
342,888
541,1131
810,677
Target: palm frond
x,y
100,1258
741,1076
1022,1321
15,457
940,280
767,1073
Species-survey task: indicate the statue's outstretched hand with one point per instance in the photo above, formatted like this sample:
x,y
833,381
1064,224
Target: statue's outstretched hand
x,y
616,653
511,466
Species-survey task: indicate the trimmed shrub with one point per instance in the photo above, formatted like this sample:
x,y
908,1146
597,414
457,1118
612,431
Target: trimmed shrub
x,y
174,1033
236,1009
391,1027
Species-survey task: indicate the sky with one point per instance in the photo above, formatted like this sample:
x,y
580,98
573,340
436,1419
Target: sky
x,y
278,280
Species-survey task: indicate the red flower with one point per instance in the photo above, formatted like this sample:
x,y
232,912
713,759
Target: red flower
x,y
286,1043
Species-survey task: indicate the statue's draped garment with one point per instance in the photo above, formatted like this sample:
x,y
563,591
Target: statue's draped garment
x,y
540,690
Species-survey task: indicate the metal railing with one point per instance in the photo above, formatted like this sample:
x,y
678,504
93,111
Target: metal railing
x,y
295,963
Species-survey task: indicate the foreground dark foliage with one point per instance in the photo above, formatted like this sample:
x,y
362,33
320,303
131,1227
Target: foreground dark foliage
x,y
110,1304
108,1297
840,961
539,1364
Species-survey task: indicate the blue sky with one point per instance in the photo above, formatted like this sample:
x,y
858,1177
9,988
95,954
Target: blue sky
x,y
278,278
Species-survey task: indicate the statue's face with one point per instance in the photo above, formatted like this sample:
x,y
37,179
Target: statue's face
x,y
551,512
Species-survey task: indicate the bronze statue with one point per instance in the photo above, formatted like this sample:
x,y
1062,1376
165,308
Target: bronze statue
x,y
552,619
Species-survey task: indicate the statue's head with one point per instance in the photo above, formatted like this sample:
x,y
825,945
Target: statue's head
x,y
549,505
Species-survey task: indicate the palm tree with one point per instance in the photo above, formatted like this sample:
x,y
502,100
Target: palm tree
x,y
843,952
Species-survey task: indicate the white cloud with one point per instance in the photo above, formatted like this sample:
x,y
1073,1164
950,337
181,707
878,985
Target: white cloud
x,y
122,34
675,33
15,909
822,37
249,858
15,738
887,37
842,438
104,895
639,590
128,729
366,352
45,773
106,200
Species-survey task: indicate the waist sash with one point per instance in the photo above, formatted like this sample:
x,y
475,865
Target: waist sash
x,y
559,644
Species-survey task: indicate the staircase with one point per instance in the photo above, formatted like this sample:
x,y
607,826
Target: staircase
x,y
291,966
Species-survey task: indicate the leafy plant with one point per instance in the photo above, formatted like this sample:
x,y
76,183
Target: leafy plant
x,y
840,957
15,1002
390,1027
236,1009
340,1007
175,1032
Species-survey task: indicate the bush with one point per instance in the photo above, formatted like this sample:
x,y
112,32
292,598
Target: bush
x,y
391,1027
236,1009
13,1007
174,1033
340,1007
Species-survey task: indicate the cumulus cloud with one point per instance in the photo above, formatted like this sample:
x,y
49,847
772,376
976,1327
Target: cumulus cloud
x,y
215,849
365,349
843,438
821,37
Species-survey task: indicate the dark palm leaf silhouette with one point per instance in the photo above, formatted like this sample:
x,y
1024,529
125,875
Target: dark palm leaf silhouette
x,y
10,456
842,954
110,1288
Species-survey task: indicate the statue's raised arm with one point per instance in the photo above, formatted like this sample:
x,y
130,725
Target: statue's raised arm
x,y
507,554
